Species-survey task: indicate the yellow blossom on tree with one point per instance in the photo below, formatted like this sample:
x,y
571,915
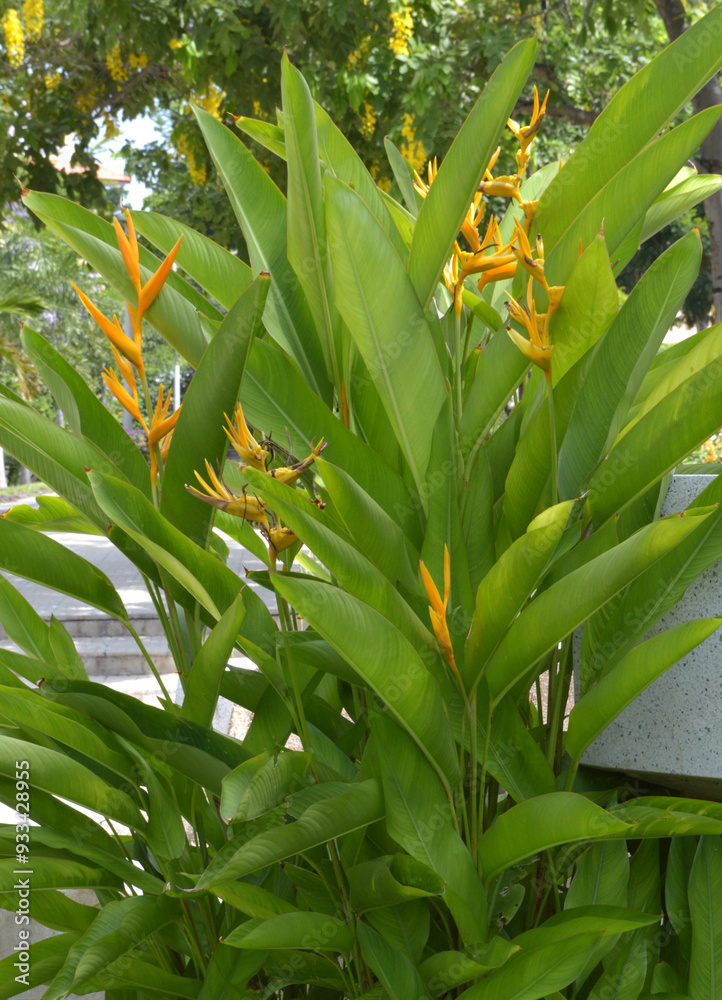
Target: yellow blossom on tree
x,y
14,38
114,62
402,22
210,100
139,61
33,16
368,121
52,80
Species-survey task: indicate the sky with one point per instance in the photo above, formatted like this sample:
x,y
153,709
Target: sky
x,y
139,133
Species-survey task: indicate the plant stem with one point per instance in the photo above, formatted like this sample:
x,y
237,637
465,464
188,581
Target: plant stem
x,y
458,361
473,736
561,693
484,761
149,661
553,440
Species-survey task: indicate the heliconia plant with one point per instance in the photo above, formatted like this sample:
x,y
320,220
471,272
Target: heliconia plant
x,y
493,437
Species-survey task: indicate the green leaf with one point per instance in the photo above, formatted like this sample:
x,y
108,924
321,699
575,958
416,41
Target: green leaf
x,y
174,313
507,587
36,557
333,817
261,783
369,641
314,931
221,273
404,174
682,851
536,973
636,115
636,671
275,397
307,251
705,896
378,303
51,514
400,979
556,612
447,969
628,194
589,304
540,823
199,434
119,927
677,199
45,958
461,170
203,684
601,878
419,818
622,360
228,974
22,624
58,873
61,775
84,414
261,212
677,425
390,880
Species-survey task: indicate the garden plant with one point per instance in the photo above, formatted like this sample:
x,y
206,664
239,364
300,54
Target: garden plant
x,y
435,538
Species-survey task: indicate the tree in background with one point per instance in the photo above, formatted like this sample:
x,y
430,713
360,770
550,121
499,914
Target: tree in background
x,y
383,67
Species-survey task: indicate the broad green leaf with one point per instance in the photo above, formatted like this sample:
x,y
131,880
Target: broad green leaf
x,y
315,931
57,457
536,973
677,425
307,248
261,783
658,816
203,683
45,958
478,519
126,976
333,817
461,170
508,585
624,973
185,561
390,880
261,212
52,908
515,758
446,969
266,134
654,592
677,199
676,898
37,557
22,624
636,671
636,115
370,525
66,726
698,357
705,894
199,434
589,304
601,878
541,823
119,927
622,203
378,303
369,642
556,612
84,414
228,974
174,313
399,977
221,273
51,514
622,360
58,873
61,775
404,174
419,818
276,398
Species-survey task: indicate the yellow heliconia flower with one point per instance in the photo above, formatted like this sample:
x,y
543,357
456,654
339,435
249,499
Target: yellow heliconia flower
x,y
128,402
437,609
280,539
537,348
525,134
128,347
244,442
420,184
291,473
148,292
218,495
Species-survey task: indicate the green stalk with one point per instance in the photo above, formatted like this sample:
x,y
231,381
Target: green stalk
x,y
149,661
553,440
561,693
484,762
458,361
473,752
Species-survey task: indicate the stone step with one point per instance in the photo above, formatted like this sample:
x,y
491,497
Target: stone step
x,y
98,626
119,655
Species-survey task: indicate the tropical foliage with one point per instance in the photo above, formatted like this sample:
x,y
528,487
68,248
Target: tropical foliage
x,y
436,834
